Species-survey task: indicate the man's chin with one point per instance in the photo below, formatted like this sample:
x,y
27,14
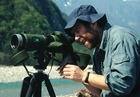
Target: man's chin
x,y
89,46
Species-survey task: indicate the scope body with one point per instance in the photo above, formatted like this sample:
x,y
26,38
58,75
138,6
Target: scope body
x,y
31,42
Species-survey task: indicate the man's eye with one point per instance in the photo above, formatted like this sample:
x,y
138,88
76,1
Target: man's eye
x,y
78,29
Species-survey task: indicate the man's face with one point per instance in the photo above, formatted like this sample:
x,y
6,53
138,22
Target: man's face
x,y
87,35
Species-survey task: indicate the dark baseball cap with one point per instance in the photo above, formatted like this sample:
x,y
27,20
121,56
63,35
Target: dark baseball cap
x,y
86,13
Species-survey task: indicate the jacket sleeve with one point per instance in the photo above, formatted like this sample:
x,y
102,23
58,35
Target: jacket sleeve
x,y
124,68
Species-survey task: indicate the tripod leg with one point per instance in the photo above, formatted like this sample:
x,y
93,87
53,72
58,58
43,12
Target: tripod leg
x,y
25,86
37,91
32,86
49,86
35,85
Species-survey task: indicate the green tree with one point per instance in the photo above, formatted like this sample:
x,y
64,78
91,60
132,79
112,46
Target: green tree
x,y
17,16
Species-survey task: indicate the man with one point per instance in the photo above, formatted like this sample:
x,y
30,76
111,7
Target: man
x,y
116,59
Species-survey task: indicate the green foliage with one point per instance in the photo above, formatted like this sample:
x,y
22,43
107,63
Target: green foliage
x,y
17,16
29,16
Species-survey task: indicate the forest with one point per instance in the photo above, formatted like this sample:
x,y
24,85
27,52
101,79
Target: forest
x,y
28,16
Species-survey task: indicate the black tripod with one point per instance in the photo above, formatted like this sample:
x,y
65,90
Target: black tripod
x,y
32,84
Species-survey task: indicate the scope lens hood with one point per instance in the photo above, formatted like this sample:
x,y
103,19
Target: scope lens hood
x,y
19,57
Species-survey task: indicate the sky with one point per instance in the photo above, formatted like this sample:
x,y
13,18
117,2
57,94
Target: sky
x,y
122,12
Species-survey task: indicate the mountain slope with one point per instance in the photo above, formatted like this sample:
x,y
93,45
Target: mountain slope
x,y
121,12
30,16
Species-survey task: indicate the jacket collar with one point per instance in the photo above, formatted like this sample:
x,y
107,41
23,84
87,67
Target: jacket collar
x,y
105,37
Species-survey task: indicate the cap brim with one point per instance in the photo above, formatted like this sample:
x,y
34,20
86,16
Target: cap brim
x,y
71,23
87,18
96,17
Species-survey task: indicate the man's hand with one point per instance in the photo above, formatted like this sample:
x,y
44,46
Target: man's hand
x,y
73,72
